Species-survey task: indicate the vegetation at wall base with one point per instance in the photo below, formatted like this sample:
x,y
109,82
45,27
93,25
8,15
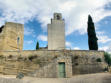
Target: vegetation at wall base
x,y
107,58
98,60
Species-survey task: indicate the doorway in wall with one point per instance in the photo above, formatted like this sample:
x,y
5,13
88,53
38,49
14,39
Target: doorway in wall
x,y
62,73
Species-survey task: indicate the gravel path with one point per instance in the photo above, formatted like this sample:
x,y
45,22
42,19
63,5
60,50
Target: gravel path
x,y
89,78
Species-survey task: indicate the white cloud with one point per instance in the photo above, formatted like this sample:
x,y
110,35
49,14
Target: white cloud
x,y
76,48
28,31
28,42
42,37
67,6
105,48
102,37
75,12
68,44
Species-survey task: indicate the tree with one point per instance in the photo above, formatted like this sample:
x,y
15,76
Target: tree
x,y
37,45
107,58
92,39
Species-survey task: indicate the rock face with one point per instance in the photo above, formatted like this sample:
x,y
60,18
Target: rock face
x,y
11,37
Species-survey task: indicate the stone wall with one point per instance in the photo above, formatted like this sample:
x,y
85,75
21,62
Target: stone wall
x,y
51,70
52,53
109,69
29,62
84,62
11,36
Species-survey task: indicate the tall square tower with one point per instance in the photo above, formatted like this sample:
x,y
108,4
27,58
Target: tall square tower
x,y
56,33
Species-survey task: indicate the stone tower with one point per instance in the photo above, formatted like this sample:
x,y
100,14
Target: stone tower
x,y
11,37
56,33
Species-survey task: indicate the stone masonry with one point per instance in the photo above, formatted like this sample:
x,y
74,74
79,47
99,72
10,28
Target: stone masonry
x,y
11,37
44,63
56,33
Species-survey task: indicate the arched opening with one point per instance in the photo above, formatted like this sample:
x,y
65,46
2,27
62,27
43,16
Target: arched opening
x,y
18,39
58,17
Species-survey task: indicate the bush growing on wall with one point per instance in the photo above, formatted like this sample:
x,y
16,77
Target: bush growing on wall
x,y
107,58
98,60
31,57
1,57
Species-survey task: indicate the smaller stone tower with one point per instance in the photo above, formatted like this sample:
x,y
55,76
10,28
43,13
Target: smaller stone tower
x,y
11,37
56,33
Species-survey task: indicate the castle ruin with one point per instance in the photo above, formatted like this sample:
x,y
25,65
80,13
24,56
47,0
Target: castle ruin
x,y
11,37
53,62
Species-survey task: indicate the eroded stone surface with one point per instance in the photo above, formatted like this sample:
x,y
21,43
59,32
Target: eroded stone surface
x,y
11,36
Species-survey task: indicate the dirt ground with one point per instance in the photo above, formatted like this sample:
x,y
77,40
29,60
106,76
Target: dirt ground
x,y
88,78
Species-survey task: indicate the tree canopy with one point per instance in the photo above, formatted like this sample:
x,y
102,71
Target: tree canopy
x,y
107,58
37,45
92,39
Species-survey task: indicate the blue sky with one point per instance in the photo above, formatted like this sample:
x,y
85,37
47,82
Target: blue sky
x,y
36,14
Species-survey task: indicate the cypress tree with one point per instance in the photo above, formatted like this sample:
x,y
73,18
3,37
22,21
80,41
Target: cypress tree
x,y
92,39
37,45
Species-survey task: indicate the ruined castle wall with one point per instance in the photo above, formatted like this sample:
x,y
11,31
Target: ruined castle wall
x,y
51,70
2,37
52,52
11,37
82,62
87,64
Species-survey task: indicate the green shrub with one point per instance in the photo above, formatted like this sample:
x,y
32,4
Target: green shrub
x,y
10,56
37,45
107,58
1,56
37,61
76,57
19,58
106,69
32,57
76,64
98,60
